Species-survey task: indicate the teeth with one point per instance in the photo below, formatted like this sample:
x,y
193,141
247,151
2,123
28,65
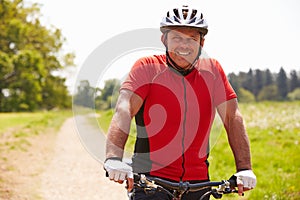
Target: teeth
x,y
183,53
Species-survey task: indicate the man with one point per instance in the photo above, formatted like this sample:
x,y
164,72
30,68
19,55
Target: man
x,y
174,98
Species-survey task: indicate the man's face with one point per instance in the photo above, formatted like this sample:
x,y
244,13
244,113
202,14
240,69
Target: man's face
x,y
183,45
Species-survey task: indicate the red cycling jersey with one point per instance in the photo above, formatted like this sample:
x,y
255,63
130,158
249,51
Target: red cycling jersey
x,y
175,120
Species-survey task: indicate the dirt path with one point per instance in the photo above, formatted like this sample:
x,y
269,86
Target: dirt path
x,y
74,174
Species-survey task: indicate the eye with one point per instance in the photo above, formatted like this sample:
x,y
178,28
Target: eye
x,y
195,38
177,38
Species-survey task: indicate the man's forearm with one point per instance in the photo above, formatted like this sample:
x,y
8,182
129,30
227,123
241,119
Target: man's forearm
x,y
116,138
239,142
127,106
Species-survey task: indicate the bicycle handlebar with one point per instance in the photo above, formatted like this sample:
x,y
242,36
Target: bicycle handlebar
x,y
150,183
191,186
179,185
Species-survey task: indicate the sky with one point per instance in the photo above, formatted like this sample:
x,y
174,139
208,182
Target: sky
x,y
242,34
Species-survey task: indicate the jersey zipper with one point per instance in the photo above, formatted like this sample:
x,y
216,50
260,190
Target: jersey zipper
x,y
183,129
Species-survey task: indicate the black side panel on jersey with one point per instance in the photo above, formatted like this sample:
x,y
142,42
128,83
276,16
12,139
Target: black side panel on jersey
x,y
141,162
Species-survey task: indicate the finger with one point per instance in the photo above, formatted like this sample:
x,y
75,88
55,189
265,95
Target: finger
x,y
253,183
246,183
239,180
129,184
111,175
240,189
117,177
122,178
246,189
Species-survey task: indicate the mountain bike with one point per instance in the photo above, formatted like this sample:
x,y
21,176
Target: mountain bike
x,y
176,189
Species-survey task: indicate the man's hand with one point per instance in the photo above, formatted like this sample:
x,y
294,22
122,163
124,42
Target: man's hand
x,y
246,180
119,171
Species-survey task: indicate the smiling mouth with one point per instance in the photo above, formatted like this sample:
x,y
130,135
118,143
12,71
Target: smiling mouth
x,y
183,53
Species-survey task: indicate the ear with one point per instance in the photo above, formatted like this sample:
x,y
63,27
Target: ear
x,y
163,39
202,41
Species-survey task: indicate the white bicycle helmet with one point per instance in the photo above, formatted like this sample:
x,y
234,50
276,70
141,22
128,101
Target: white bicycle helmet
x,y
182,17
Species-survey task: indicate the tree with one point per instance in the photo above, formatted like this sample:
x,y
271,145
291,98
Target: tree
x,y
85,95
54,87
258,82
234,81
248,83
109,87
282,84
294,82
268,78
29,54
108,94
6,72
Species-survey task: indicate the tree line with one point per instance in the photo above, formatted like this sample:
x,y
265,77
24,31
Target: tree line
x,y
97,98
30,53
263,85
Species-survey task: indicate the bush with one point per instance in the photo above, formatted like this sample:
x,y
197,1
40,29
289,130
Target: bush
x,y
245,96
268,93
294,95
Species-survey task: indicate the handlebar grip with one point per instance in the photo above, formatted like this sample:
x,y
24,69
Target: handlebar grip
x,y
232,181
136,177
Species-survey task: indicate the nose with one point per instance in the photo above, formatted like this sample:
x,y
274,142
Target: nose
x,y
188,43
185,43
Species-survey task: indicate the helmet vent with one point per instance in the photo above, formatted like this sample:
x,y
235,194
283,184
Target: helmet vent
x,y
200,22
194,13
193,20
177,20
185,13
176,12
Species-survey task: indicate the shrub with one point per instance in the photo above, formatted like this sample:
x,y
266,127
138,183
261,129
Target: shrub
x,y
294,95
245,96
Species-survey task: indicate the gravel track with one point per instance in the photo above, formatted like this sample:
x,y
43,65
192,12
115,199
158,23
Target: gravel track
x,y
74,174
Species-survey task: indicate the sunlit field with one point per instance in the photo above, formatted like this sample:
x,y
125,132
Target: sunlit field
x,y
274,132
16,129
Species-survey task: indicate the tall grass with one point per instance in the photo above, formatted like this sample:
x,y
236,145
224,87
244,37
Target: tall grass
x,y
274,133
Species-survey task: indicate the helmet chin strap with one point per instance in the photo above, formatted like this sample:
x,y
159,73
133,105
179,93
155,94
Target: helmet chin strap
x,y
171,63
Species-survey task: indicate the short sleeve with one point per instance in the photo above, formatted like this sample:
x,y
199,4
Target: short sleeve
x,y
223,90
138,79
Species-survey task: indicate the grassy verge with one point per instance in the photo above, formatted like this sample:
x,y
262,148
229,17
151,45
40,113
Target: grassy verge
x,y
274,132
17,128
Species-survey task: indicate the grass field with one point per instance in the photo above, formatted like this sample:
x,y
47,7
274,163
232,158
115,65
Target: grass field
x,y
17,128
274,132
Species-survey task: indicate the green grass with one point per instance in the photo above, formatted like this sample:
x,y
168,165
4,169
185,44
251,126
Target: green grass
x,y
104,121
274,133
17,128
